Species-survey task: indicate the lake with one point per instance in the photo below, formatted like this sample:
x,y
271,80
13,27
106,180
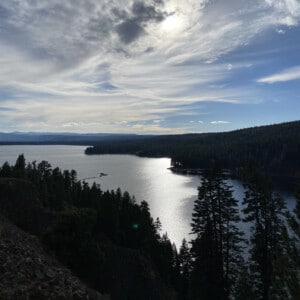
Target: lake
x,y
170,196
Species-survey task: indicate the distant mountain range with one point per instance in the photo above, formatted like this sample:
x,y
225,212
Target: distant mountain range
x,y
59,138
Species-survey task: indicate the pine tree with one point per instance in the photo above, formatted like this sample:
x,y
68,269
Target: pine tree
x,y
217,244
206,281
295,221
269,239
19,168
294,250
244,287
185,263
158,225
6,170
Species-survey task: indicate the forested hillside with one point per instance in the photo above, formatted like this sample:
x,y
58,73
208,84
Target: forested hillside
x,y
275,148
105,237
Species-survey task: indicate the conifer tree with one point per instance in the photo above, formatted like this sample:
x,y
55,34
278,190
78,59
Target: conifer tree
x,y
296,219
269,239
6,170
294,250
217,245
158,225
244,287
185,263
19,168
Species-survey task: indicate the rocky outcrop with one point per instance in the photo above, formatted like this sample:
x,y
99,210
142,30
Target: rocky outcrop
x,y
27,272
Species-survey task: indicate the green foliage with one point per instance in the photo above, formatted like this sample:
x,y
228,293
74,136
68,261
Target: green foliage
x,y
295,221
293,250
207,274
217,246
19,168
270,244
244,286
71,240
6,170
185,265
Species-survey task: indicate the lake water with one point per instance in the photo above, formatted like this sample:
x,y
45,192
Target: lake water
x,y
170,196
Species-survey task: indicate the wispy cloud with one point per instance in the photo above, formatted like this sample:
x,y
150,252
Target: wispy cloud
x,y
285,75
219,122
288,11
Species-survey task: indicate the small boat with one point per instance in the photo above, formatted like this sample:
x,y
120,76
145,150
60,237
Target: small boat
x,y
102,174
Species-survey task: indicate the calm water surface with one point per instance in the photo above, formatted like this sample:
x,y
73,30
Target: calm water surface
x,y
169,195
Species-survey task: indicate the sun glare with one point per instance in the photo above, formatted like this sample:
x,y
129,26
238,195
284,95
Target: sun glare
x,y
172,23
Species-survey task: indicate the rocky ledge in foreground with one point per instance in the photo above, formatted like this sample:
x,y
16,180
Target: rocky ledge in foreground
x,y
27,272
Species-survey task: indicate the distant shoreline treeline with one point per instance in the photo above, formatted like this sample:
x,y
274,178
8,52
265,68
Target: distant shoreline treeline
x,y
274,148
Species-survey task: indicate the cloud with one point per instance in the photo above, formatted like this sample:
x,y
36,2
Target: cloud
x,y
132,27
280,31
285,75
158,121
143,12
129,31
219,122
70,124
288,11
155,129
98,63
6,109
229,67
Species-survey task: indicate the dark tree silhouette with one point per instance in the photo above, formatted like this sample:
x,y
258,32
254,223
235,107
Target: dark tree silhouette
x,y
265,210
19,168
185,262
217,246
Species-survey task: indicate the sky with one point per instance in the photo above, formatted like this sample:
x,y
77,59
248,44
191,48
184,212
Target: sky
x,y
148,67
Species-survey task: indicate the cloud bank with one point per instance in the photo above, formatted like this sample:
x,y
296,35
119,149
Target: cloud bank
x,y
93,65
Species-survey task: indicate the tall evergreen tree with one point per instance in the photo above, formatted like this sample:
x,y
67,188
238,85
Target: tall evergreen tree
x,y
185,263
6,170
269,239
296,220
19,168
244,287
217,245
294,249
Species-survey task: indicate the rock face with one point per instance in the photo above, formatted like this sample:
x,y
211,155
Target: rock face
x,y
27,272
